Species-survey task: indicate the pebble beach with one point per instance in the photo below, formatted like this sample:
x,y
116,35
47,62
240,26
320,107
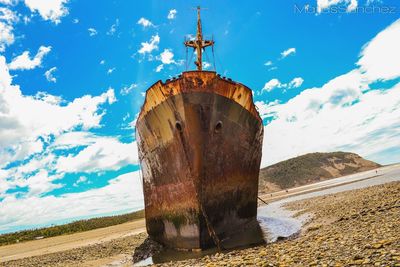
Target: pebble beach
x,y
358,227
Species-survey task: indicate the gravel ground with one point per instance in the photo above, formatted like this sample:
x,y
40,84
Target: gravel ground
x,y
359,227
78,256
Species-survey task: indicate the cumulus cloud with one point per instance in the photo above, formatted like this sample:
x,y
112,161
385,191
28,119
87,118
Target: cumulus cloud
x,y
344,114
105,153
113,28
148,47
268,63
92,31
25,62
160,68
167,57
110,71
145,22
325,4
7,19
272,84
49,74
380,59
172,14
8,15
206,65
295,83
82,179
275,83
28,121
122,194
49,10
288,52
6,35
127,89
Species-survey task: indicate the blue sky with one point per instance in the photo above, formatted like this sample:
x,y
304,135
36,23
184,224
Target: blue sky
x,y
324,73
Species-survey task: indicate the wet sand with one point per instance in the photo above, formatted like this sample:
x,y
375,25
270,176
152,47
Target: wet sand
x,y
114,246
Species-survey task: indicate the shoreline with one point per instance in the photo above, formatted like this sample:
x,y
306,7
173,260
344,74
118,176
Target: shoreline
x,y
119,251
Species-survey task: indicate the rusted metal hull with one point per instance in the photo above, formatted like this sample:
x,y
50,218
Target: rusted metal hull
x,y
200,142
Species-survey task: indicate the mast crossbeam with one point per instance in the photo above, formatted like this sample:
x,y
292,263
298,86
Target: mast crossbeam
x,y
199,43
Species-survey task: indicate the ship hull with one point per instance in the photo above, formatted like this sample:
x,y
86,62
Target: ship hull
x,y
200,155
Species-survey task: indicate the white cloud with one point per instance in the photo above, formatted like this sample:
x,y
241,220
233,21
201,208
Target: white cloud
x,y
325,4
82,179
122,194
26,119
105,153
50,99
288,52
167,57
295,83
160,68
75,21
331,119
8,15
92,31
49,74
102,62
148,47
206,65
275,83
49,10
172,14
8,2
268,63
70,140
7,19
24,61
6,35
111,70
380,58
145,22
113,28
272,84
344,114
127,89
352,6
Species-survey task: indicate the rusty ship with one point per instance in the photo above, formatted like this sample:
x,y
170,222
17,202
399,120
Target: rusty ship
x,y
200,142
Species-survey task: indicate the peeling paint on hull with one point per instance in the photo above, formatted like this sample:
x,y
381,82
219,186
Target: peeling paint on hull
x,y
200,141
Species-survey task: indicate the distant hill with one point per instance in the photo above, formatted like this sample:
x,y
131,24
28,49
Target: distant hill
x,y
311,168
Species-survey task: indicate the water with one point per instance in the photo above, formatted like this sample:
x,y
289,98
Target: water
x,y
278,222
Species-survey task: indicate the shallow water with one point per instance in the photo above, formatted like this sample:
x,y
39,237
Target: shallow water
x,y
277,221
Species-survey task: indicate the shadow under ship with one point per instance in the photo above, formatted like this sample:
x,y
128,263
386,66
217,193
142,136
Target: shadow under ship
x,y
200,141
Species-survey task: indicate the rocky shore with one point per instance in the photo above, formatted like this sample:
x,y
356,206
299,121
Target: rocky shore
x,y
87,255
359,227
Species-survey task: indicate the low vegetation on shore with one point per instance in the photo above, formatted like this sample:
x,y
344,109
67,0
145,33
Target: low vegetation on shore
x,y
70,228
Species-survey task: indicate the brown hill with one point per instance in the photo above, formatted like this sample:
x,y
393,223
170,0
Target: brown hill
x,y
311,168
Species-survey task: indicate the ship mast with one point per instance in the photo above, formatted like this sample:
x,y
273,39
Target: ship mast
x,y
199,44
